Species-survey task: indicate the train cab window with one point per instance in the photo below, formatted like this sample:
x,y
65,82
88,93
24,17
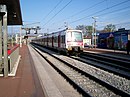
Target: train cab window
x,y
76,36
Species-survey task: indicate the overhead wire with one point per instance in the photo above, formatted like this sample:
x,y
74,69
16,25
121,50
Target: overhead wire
x,y
100,11
116,17
111,22
83,10
120,16
116,24
52,9
114,11
87,8
57,13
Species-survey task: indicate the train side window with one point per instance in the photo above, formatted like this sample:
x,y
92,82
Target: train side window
x,y
49,39
57,39
63,39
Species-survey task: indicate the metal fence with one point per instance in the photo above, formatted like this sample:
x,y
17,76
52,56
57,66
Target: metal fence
x,y
12,58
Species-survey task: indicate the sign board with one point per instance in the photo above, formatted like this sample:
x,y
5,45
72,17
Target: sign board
x,y
87,42
129,36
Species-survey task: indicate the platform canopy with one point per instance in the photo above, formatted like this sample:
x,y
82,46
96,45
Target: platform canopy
x,y
13,11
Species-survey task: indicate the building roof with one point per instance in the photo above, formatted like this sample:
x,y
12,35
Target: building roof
x,y
13,11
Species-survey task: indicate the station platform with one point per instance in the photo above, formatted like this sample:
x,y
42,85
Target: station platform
x,y
35,78
25,83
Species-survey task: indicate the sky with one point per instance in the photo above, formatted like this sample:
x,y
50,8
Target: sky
x,y
52,15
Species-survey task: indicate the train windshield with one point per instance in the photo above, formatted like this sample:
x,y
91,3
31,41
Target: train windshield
x,y
74,36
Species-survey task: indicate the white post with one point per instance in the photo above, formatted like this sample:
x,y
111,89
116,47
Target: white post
x,y
20,37
5,45
16,38
1,39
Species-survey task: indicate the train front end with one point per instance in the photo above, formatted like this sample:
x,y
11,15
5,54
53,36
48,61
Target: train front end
x,y
74,41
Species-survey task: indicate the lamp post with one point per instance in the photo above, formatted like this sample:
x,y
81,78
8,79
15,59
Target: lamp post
x,y
94,31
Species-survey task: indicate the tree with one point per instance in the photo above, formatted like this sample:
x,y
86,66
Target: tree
x,y
80,27
83,28
87,30
110,28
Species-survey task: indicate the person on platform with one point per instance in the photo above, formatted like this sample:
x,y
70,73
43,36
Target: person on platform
x,y
128,47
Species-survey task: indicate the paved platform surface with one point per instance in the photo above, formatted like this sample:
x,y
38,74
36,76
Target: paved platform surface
x,y
25,83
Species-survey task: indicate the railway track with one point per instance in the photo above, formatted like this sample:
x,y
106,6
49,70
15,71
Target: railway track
x,y
88,80
119,66
120,61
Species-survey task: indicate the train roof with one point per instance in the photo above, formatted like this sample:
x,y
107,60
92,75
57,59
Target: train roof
x,y
66,30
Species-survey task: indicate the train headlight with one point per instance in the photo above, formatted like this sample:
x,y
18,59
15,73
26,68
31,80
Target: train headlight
x,y
69,48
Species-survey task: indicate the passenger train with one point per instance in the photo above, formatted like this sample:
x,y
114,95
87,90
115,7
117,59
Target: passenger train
x,y
67,40
114,40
